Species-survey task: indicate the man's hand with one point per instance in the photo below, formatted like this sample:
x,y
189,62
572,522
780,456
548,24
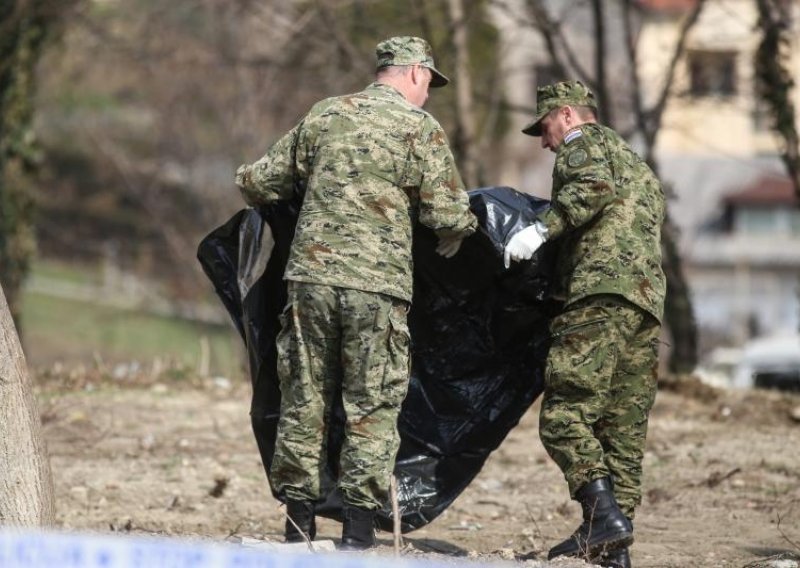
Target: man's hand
x,y
448,246
523,244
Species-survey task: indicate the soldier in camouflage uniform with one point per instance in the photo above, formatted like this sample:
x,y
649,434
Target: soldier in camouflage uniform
x,y
606,210
371,164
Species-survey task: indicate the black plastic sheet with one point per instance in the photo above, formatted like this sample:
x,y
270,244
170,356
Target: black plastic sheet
x,y
479,340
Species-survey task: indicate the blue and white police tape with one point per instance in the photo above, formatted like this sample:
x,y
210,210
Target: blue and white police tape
x,y
28,549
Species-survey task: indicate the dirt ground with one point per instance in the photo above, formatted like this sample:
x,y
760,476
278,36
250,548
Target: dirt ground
x,y
722,474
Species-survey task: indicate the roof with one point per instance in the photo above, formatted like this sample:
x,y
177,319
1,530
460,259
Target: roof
x,y
768,190
666,5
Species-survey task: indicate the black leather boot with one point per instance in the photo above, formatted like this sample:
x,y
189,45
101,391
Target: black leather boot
x,y
302,513
358,530
604,527
619,558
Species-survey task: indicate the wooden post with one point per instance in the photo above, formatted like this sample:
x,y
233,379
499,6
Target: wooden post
x,y
398,538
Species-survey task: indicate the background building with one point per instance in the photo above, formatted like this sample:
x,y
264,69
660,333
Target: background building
x,y
737,213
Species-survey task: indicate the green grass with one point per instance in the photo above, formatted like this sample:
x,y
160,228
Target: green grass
x,y
70,273
74,332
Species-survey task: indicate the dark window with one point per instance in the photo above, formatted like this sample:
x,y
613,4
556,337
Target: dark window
x,y
712,73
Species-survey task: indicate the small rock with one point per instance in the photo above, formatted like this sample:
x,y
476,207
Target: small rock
x,y
222,383
148,442
506,553
79,493
77,416
491,485
465,526
795,414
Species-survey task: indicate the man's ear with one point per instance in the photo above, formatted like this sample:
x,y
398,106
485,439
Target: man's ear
x,y
416,71
569,114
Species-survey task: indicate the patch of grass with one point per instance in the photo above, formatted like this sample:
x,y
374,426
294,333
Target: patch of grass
x,y
72,332
65,272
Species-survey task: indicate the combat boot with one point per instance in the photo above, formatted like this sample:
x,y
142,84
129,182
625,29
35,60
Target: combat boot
x,y
302,513
619,558
358,530
604,527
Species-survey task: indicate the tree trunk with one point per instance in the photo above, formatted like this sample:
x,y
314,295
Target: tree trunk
x,y
465,141
600,58
775,82
26,484
678,311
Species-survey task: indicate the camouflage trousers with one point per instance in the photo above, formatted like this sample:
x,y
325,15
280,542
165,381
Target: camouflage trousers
x,y
330,338
600,384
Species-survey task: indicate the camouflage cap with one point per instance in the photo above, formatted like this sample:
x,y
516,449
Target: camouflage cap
x,y
408,50
557,95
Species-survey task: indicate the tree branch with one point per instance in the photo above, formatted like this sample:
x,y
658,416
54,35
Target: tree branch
x,y
775,82
601,87
633,69
656,113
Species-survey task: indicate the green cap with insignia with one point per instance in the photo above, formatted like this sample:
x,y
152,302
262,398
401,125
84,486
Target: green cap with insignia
x,y
409,50
557,95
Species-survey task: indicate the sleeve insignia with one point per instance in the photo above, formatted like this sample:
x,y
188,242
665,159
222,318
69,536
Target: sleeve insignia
x,y
572,135
577,158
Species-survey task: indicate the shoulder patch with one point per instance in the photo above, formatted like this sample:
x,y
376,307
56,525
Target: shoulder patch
x,y
577,157
572,136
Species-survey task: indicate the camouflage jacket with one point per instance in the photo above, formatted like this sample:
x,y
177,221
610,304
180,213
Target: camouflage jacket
x,y
371,164
607,206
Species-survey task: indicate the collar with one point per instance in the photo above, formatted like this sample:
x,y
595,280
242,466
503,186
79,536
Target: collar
x,y
384,89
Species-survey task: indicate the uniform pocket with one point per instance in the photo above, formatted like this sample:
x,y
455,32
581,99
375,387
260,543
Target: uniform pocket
x,y
581,346
576,327
283,345
398,361
283,317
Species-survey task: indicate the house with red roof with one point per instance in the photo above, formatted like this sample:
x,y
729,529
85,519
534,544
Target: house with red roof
x,y
737,213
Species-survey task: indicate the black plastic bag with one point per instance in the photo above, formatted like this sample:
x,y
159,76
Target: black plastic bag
x,y
479,339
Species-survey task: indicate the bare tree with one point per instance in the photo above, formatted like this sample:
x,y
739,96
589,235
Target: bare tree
x,y
465,116
26,485
24,27
775,80
566,55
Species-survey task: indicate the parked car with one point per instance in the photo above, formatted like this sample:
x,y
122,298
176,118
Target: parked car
x,y
770,362
765,362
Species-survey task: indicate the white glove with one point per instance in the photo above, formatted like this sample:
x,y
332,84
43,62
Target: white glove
x,y
448,246
523,244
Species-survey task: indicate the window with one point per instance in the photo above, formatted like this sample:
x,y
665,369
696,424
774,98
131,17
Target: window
x,y
712,73
794,223
756,221
783,220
